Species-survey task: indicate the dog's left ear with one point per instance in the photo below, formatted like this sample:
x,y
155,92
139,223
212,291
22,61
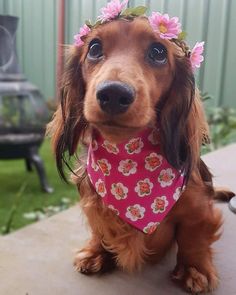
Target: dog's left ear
x,y
182,120
68,124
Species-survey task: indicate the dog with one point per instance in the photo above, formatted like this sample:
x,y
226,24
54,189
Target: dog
x,y
123,81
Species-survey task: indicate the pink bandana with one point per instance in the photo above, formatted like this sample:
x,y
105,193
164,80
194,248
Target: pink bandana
x,y
134,179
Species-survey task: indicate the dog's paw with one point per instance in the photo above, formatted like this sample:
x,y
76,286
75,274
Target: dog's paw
x,y
195,282
89,262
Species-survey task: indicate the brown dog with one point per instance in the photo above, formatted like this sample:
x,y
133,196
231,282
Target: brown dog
x,y
163,93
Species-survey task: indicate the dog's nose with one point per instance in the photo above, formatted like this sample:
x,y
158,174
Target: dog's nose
x,y
115,97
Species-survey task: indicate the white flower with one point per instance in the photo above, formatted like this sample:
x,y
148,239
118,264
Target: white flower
x,y
177,193
159,205
135,212
116,211
153,161
144,187
119,191
127,167
150,227
110,147
166,177
100,188
105,166
134,146
154,137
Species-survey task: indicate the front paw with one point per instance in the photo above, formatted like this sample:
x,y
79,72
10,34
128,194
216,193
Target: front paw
x,y
194,281
90,262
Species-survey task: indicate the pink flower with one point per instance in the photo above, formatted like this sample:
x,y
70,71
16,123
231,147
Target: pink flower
x,y
112,10
166,27
196,55
82,32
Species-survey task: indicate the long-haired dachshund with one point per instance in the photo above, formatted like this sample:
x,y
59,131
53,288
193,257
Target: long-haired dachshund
x,y
124,86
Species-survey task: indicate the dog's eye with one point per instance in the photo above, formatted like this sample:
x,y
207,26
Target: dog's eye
x,y
157,54
95,50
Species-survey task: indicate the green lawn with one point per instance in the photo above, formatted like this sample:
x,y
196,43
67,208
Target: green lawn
x,y
13,177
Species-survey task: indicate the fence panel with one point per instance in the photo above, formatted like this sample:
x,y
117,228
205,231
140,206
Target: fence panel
x,y
210,20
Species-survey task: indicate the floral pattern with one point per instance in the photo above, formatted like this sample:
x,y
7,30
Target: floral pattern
x,y
166,177
127,167
154,137
159,205
105,166
140,188
114,209
94,165
177,193
135,212
144,187
134,146
151,227
153,161
119,191
110,147
100,188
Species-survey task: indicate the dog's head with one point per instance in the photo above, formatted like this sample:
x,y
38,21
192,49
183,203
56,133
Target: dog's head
x,y
122,80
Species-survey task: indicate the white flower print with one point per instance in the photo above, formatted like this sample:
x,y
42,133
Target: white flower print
x,y
94,165
154,137
177,193
150,227
159,205
105,166
134,146
119,191
110,147
135,212
166,177
127,167
144,187
100,188
116,211
153,161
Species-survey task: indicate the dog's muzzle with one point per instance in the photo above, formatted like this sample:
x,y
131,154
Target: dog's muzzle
x,y
115,97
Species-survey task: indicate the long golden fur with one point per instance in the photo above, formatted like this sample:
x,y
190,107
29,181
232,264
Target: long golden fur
x,y
166,96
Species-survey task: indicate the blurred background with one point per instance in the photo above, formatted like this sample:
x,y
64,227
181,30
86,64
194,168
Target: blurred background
x,y
43,27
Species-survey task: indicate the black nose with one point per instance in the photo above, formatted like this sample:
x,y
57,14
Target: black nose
x,y
115,97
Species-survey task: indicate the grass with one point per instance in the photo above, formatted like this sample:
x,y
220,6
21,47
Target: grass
x,y
20,191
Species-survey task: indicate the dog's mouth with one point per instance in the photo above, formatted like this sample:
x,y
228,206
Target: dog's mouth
x,y
114,131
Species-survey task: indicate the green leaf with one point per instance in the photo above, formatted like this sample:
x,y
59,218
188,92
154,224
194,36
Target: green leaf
x,y
98,22
136,11
139,10
127,11
88,23
182,36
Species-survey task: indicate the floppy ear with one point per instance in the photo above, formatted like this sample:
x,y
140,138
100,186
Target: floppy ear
x,y
68,124
182,121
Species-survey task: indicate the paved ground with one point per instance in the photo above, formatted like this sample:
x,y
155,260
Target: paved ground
x,y
37,260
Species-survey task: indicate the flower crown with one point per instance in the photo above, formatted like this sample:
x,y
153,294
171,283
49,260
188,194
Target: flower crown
x,y
163,25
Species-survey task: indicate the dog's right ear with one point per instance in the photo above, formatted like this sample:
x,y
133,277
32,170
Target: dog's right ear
x,y
68,124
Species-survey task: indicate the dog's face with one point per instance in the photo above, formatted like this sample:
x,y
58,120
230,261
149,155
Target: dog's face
x,y
124,79
127,69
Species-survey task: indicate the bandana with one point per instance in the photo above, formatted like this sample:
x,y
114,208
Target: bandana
x,y
134,179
